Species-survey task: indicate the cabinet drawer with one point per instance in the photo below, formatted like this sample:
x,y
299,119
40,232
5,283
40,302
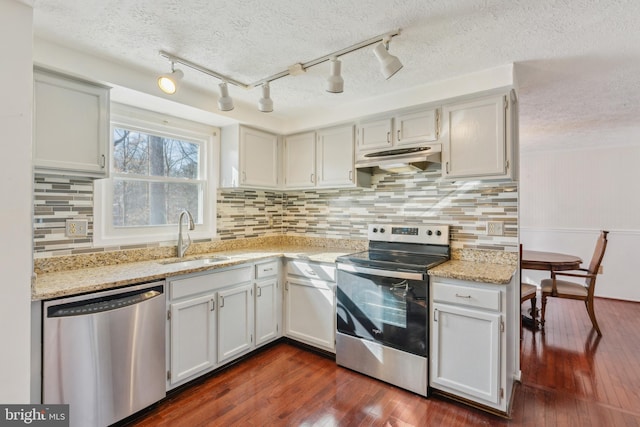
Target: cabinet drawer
x,y
198,284
312,270
467,296
267,269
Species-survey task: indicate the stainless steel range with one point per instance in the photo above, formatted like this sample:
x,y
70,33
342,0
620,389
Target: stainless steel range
x,y
383,297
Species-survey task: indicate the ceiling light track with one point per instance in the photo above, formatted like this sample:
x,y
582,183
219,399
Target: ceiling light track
x,y
389,66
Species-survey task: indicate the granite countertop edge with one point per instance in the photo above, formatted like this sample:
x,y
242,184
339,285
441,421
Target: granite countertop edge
x,y
92,279
498,274
75,282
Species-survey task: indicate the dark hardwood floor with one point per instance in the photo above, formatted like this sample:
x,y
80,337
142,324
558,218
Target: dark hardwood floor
x,y
570,377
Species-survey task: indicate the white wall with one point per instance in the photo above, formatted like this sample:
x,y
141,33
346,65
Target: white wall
x,y
15,191
566,197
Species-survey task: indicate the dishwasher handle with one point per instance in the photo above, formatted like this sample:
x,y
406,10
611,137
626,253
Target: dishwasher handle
x,y
105,303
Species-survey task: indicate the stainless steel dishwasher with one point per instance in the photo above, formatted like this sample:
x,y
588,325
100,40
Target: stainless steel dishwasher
x,y
104,353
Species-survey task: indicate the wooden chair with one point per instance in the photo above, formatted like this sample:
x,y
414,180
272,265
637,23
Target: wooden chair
x,y
557,288
528,292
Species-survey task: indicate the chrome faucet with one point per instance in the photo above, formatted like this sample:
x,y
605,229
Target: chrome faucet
x,y
182,247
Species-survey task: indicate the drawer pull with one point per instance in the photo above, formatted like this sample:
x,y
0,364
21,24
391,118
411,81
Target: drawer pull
x,y
311,272
259,291
463,296
267,269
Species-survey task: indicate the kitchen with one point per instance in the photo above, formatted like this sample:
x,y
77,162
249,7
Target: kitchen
x,y
334,206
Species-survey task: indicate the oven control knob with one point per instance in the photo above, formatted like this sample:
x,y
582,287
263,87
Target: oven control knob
x,y
438,233
375,230
382,230
429,232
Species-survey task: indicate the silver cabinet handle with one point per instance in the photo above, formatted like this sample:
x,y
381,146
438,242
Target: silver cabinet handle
x,y
435,315
244,176
463,296
259,293
312,178
398,135
388,137
311,272
446,167
103,161
213,304
350,175
268,269
221,302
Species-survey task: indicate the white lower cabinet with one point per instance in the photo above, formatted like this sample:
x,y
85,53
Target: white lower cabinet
x,y
216,317
268,302
193,340
235,321
468,341
310,305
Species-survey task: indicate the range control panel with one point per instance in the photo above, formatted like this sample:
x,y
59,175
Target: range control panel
x,y
424,234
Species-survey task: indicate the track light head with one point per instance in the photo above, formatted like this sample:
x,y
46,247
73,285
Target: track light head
x,y
265,104
335,82
389,64
169,82
225,102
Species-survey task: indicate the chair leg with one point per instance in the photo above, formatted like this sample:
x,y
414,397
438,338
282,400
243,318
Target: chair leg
x,y
544,307
592,315
534,313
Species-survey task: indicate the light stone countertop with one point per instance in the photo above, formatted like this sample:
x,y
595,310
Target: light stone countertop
x,y
72,282
78,275
484,272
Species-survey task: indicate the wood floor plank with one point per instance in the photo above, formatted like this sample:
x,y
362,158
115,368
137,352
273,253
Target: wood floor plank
x,y
569,378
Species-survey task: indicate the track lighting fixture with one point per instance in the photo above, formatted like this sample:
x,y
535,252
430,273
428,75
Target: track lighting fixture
x,y
265,104
389,64
169,82
335,83
225,102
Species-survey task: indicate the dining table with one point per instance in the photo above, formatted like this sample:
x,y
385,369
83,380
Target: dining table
x,y
551,261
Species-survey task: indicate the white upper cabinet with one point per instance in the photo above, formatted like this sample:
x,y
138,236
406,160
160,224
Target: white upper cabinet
x,y
420,126
249,158
375,134
405,128
475,143
299,159
322,159
335,157
71,126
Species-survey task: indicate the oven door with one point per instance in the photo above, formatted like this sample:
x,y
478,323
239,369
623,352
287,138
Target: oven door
x,y
387,307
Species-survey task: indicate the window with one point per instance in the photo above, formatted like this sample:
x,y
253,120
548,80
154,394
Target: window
x,y
160,165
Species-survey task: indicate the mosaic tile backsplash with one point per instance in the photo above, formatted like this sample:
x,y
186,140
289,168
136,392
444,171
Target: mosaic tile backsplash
x,y
415,198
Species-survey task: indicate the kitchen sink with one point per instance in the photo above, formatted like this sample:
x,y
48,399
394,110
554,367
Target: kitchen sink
x,y
194,262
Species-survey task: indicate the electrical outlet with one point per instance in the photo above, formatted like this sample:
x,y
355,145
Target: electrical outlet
x,y
495,228
76,227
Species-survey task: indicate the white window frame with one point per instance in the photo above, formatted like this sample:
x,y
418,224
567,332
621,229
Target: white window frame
x,y
128,117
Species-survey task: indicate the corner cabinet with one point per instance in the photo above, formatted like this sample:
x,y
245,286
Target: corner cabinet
x,y
479,137
320,159
310,302
249,158
468,356
71,125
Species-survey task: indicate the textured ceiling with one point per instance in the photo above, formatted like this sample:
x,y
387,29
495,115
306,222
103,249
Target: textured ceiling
x,y
577,61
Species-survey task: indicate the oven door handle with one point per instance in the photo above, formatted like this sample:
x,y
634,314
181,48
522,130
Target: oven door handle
x,y
381,273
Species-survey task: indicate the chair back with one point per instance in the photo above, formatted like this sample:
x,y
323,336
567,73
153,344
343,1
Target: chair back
x,y
596,259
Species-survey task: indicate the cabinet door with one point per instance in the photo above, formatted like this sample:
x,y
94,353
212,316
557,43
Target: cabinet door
x,y
465,352
375,134
258,158
475,139
71,125
299,158
235,321
193,332
421,126
334,157
266,327
310,311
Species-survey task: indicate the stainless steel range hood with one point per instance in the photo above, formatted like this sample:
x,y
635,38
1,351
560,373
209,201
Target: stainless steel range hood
x,y
402,159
